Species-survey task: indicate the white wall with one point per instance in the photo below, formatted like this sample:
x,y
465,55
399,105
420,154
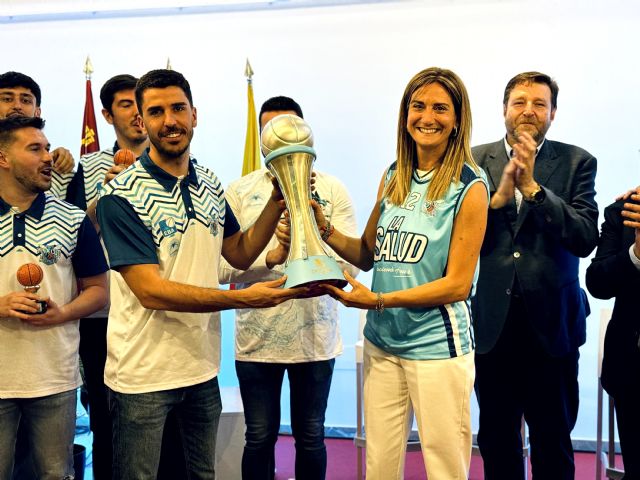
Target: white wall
x,y
347,66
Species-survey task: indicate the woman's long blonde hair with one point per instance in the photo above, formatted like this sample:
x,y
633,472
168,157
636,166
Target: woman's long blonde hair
x,y
458,149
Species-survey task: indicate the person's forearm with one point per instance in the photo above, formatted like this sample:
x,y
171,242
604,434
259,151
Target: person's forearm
x,y
256,238
90,300
353,250
180,297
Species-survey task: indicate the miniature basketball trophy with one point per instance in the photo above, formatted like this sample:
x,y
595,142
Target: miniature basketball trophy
x,y
30,276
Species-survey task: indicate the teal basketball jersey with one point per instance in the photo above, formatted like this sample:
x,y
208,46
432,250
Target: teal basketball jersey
x,y
412,248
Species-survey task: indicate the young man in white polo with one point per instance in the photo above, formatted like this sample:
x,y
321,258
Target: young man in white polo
x,y
165,223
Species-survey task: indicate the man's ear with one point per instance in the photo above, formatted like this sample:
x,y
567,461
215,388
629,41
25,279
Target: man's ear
x,y
553,114
107,116
4,161
195,117
37,112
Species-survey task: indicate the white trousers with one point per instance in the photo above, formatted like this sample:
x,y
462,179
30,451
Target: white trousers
x,y
440,393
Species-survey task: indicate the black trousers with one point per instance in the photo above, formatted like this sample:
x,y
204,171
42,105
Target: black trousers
x,y
519,378
93,353
628,416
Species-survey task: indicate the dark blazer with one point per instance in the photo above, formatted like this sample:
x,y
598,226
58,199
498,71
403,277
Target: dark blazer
x,y
541,245
612,274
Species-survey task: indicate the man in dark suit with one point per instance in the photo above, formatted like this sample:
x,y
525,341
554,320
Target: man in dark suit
x,y
615,272
529,310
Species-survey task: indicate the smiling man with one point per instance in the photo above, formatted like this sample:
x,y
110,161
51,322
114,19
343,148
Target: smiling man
x,y
165,223
39,352
529,311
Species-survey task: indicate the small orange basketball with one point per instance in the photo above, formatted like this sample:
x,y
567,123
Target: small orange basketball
x,y
30,274
124,156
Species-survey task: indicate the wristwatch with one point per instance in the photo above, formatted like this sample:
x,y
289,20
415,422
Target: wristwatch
x,y
536,197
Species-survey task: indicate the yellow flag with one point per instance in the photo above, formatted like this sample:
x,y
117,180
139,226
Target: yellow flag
x,y
252,142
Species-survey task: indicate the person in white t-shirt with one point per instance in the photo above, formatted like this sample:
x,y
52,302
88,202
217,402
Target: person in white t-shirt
x,y
300,337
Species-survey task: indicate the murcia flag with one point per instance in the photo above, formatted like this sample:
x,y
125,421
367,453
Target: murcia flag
x,y
89,143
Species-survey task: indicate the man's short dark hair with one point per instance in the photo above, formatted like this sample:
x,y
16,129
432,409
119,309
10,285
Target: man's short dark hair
x,y
162,79
279,104
114,85
17,79
527,78
8,127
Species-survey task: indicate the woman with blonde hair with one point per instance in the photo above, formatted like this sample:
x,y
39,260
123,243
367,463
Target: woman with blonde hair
x,y
423,240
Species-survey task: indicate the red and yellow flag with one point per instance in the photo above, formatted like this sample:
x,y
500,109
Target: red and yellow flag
x,y
251,161
89,142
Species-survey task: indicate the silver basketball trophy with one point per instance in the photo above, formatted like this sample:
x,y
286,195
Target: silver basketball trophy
x,y
286,143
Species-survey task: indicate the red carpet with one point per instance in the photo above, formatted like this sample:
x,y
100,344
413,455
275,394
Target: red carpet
x,y
341,454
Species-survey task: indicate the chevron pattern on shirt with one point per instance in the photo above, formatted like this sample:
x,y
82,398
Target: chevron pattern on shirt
x,y
153,204
57,229
94,168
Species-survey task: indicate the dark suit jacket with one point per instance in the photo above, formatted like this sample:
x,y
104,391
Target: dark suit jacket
x,y
540,247
612,274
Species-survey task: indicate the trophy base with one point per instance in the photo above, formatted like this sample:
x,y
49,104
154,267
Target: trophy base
x,y
313,271
42,307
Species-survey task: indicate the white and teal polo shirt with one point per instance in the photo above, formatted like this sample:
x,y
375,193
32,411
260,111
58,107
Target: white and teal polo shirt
x,y
148,216
89,178
412,248
39,361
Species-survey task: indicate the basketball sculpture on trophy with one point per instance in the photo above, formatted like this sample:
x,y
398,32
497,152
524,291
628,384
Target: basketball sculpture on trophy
x,y
287,143
30,276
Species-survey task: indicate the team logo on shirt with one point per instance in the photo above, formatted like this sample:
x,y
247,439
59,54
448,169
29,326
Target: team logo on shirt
x,y
167,227
49,254
213,224
430,207
174,246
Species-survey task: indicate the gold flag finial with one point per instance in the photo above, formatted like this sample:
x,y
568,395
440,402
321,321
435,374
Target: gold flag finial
x,y
248,71
169,64
88,68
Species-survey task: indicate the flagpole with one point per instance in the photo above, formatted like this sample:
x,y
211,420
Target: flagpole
x,y
88,68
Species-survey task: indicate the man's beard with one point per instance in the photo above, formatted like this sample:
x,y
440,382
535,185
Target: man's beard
x,y
171,153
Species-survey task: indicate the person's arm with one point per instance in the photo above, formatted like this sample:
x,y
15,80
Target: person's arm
x,y
612,271
574,223
264,266
157,293
466,240
89,266
133,254
242,248
343,218
356,251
